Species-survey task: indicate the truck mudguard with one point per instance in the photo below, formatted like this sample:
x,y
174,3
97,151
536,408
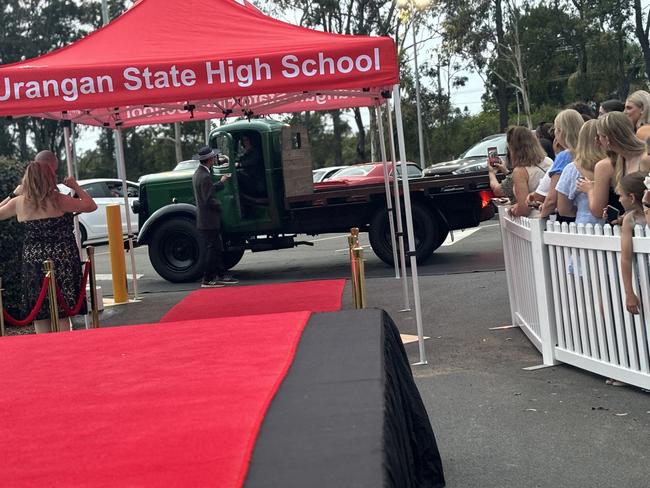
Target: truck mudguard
x,y
163,213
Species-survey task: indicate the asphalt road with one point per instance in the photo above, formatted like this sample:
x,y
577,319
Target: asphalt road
x,y
497,424
473,250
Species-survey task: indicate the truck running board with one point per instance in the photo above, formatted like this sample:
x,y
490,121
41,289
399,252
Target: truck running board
x,y
272,243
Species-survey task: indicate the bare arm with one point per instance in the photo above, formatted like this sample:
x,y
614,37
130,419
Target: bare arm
x,y
627,256
550,202
8,209
495,185
16,192
83,202
520,187
565,206
598,190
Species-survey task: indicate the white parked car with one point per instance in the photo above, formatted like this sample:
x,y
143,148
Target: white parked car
x,y
185,165
105,191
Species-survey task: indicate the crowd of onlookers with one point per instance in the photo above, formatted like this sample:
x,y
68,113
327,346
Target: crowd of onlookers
x,y
585,168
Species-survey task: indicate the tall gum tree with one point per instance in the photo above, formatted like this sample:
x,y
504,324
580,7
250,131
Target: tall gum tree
x,y
352,17
473,29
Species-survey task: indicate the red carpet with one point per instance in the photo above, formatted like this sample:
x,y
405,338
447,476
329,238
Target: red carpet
x,y
142,406
232,301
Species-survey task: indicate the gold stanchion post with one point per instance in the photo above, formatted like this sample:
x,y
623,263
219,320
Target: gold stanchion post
x,y
353,241
360,280
354,232
2,316
48,266
116,249
352,245
90,251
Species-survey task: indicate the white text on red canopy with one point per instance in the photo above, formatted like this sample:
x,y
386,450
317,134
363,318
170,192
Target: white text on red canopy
x,y
223,72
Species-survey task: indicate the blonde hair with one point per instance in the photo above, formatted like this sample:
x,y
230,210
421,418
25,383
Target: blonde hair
x,y
524,146
39,186
569,122
641,99
618,128
588,151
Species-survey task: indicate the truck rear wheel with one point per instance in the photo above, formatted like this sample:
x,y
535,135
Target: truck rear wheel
x,y
427,230
175,251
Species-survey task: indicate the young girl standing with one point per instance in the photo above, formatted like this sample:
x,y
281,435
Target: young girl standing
x,y
631,190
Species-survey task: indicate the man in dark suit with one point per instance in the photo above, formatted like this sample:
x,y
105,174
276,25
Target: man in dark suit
x,y
208,219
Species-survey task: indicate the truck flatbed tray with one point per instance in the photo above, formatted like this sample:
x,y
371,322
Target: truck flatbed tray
x,y
430,185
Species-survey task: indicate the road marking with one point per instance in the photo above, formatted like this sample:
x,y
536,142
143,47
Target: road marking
x,y
109,277
347,249
459,236
329,238
408,338
135,249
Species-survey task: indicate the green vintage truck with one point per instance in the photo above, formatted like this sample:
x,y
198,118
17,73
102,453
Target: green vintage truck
x,y
290,205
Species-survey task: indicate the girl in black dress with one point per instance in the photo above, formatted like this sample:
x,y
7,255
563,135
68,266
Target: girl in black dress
x,y
47,215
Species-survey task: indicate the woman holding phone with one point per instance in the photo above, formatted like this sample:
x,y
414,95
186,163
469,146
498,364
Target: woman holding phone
x,y
529,164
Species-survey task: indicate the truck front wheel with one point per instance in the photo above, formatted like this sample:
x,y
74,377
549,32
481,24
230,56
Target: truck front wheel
x,y
175,251
426,228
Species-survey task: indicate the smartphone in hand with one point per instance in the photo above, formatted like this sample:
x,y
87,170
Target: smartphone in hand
x,y
612,214
493,156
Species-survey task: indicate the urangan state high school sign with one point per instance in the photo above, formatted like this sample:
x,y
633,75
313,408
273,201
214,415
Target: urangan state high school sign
x,y
90,88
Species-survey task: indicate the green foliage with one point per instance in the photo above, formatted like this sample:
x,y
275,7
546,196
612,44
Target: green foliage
x,y
147,149
564,57
11,239
31,29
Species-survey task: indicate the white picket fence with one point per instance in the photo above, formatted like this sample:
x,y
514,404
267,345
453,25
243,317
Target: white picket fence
x,y
566,293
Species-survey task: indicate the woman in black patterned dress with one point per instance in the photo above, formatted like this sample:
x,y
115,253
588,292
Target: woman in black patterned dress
x,y
47,215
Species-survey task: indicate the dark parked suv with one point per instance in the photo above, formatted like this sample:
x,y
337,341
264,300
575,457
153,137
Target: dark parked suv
x,y
474,160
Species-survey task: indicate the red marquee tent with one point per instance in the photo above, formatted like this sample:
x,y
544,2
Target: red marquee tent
x,y
165,61
169,61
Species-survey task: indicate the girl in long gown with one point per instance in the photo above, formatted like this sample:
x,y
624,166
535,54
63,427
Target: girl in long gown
x,y
47,215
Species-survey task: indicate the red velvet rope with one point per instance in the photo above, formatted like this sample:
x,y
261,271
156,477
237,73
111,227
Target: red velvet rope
x,y
82,294
32,315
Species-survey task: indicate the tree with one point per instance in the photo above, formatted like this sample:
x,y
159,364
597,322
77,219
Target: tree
x,y
510,53
361,17
642,31
473,29
32,28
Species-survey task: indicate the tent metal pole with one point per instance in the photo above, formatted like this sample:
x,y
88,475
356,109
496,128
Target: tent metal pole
x,y
71,172
105,17
398,205
121,170
74,152
207,131
389,199
417,97
409,224
71,163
